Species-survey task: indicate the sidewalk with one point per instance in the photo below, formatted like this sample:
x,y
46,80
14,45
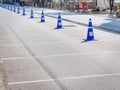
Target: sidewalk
x,y
100,20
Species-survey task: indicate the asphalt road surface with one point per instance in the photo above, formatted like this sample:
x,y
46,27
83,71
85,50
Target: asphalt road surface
x,y
38,57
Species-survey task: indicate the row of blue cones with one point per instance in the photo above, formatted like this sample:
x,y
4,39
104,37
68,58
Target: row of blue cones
x,y
90,33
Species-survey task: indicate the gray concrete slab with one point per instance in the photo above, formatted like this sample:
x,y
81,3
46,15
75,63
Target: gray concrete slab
x,y
11,51
5,33
108,45
95,83
83,64
61,48
24,69
38,38
4,40
27,74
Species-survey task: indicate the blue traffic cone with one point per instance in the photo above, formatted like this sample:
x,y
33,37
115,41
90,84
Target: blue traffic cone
x,y
23,12
18,10
42,17
90,34
11,8
14,9
59,22
31,14
8,7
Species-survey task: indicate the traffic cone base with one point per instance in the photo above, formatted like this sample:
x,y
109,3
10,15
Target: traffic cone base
x,y
18,12
24,14
59,25
42,19
31,16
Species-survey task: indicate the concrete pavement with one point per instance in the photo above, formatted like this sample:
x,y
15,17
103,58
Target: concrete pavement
x,y
38,57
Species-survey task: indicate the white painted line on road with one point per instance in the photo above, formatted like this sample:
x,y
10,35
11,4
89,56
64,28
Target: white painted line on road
x,y
53,42
16,58
82,53
27,82
68,78
89,76
7,36
4,45
73,54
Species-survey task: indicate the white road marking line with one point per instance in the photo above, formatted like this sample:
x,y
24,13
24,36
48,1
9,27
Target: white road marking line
x,y
17,58
89,76
54,42
68,78
27,82
73,54
4,45
82,53
7,36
